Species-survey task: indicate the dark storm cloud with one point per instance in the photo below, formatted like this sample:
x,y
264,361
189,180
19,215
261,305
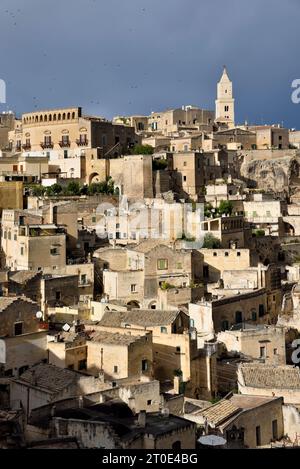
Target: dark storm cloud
x,y
122,57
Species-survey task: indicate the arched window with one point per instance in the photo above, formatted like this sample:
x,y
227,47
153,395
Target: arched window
x,y
73,115
69,115
50,117
45,118
41,118
36,118
54,117
64,116
176,446
59,117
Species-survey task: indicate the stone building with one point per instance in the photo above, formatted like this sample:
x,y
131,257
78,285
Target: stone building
x,y
64,135
221,314
137,273
46,383
119,355
244,421
170,338
30,245
225,101
264,343
112,425
23,337
68,350
270,380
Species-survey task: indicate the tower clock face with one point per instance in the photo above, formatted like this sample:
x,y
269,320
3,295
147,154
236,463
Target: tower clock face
x,y
2,351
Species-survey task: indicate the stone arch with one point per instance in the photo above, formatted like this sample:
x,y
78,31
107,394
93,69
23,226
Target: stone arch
x,y
94,177
152,304
133,304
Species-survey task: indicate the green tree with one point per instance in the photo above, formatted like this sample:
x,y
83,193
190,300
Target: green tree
x,y
56,189
37,190
73,188
207,210
225,207
159,164
211,242
142,150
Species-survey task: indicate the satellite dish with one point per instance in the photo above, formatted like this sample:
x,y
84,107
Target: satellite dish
x,y
66,327
39,315
212,440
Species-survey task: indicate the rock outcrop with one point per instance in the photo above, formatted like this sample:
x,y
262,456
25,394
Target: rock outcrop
x,y
275,175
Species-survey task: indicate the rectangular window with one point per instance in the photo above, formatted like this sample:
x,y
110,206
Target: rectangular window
x,y
115,369
83,138
261,310
18,328
82,364
133,288
163,330
184,178
262,352
258,436
144,365
149,402
83,279
275,430
65,140
53,251
57,295
162,264
275,351
179,265
22,251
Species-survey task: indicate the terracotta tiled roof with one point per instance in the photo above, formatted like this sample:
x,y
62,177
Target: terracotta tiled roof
x,y
138,317
50,377
268,376
219,412
113,338
22,276
6,301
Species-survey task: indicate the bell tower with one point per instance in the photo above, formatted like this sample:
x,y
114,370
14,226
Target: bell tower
x,y
225,100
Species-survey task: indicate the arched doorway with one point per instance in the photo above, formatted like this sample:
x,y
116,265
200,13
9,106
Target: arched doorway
x,y
133,305
94,177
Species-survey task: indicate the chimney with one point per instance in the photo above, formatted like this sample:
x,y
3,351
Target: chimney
x,y
142,418
51,212
53,411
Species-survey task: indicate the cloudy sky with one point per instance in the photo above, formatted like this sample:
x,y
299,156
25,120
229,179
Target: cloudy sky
x,y
116,57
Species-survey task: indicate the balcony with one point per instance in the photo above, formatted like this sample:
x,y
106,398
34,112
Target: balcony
x,y
18,148
26,146
82,142
46,145
64,144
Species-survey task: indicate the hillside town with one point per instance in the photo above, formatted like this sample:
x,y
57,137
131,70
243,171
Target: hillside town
x,y
149,280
